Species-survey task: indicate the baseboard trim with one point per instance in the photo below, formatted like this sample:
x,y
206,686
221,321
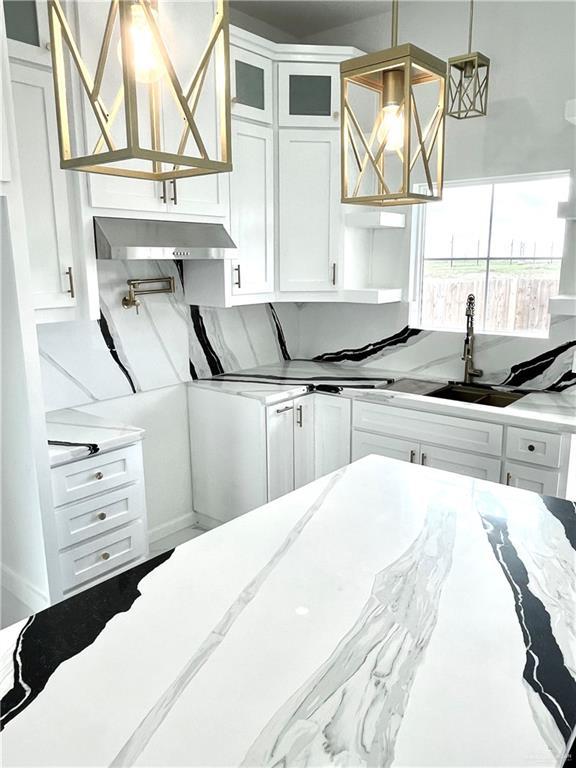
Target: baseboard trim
x,y
172,526
24,590
205,522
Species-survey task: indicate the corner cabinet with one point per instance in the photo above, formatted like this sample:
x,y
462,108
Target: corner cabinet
x,y
245,453
310,224
308,95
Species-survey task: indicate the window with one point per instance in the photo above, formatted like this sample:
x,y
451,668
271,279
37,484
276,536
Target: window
x,y
501,241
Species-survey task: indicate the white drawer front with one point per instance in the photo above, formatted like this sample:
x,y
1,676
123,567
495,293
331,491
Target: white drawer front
x,y
478,436
543,481
364,443
534,447
99,514
468,464
96,558
96,474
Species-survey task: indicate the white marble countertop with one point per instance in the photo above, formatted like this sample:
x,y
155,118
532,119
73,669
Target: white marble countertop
x,y
282,381
387,614
75,426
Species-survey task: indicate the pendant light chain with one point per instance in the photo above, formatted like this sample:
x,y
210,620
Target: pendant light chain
x,y
470,26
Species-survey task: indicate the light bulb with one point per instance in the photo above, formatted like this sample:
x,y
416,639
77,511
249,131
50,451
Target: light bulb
x,y
391,129
146,60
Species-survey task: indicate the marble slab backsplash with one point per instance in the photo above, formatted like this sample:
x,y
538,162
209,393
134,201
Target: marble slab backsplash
x,y
170,343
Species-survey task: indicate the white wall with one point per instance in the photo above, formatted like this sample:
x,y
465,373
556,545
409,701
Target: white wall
x,y
163,413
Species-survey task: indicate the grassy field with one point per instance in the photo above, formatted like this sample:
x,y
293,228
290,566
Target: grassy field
x,y
537,269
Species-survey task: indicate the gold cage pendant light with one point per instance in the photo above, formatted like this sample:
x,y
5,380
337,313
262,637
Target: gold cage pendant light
x,y
392,130
468,80
138,90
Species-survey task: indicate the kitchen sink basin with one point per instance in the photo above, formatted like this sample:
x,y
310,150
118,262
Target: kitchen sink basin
x,y
465,394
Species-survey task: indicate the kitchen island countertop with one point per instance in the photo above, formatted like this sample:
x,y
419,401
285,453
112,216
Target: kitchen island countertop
x,y
387,614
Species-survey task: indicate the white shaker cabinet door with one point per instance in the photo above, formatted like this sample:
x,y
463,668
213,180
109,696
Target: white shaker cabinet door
x,y
252,208
366,443
470,464
280,446
308,94
332,429
543,481
309,210
44,189
304,440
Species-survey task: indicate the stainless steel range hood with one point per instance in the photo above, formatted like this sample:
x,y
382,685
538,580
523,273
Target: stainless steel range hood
x,y
145,239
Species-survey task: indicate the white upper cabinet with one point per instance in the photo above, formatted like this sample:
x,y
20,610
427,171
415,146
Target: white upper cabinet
x,y
308,95
251,85
44,190
252,208
28,31
199,197
309,210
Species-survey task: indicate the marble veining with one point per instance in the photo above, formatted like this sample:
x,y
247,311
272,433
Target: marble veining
x,y
388,614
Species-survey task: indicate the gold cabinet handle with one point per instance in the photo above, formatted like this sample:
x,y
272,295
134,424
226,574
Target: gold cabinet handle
x,y
412,456
105,556
102,516
70,290
99,476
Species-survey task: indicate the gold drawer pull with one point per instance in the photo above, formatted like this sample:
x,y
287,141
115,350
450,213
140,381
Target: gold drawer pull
x,y
105,556
102,516
99,476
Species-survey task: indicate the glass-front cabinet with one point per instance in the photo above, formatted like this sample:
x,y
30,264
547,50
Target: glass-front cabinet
x,y
308,95
27,30
251,85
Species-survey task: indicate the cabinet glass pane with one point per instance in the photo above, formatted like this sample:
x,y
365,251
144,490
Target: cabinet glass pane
x,y
310,95
21,21
249,85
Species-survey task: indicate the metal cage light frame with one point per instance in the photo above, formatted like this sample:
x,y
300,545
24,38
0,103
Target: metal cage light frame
x,y
105,152
468,77
392,76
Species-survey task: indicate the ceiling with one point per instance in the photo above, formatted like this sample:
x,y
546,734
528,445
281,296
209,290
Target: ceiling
x,y
302,18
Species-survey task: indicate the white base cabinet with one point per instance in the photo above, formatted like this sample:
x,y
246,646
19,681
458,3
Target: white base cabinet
x,y
245,453
543,481
523,458
100,511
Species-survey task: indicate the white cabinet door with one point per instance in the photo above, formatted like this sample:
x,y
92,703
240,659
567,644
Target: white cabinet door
x,y
252,208
309,95
251,85
280,445
332,433
366,443
469,464
186,27
309,210
44,188
304,440
544,481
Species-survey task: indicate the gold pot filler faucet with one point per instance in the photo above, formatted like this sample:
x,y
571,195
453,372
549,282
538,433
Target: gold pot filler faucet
x,y
468,355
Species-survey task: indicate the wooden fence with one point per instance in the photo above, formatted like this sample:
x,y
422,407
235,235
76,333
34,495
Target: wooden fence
x,y
515,303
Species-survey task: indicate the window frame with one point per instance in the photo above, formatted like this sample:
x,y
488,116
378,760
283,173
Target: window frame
x,y
416,277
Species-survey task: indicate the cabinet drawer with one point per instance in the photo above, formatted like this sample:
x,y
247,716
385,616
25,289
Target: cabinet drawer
x,y
72,482
77,522
94,559
365,443
542,481
534,447
453,432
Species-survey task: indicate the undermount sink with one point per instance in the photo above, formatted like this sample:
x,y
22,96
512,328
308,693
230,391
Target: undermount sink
x,y
469,394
